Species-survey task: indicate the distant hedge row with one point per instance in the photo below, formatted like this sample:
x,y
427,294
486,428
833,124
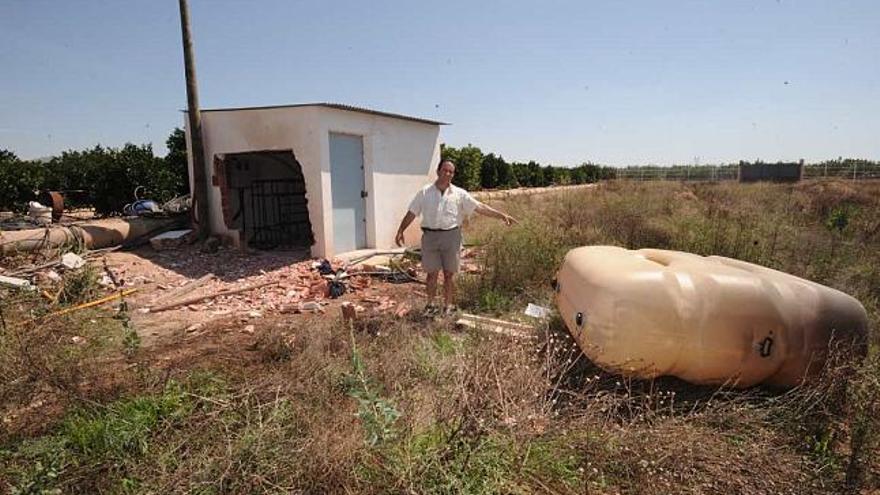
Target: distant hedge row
x,y
107,177
104,178
475,170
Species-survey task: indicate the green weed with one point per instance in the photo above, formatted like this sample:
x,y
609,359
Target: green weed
x,y
79,286
123,428
131,341
376,413
446,460
95,434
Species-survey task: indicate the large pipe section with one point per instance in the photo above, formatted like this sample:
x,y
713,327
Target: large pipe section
x,y
89,235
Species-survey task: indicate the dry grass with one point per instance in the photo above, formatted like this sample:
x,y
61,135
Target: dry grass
x,y
407,406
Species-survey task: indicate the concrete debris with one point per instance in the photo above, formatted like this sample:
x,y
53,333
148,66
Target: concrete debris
x,y
359,282
170,240
469,262
17,283
402,311
106,282
536,311
302,307
380,301
72,261
348,312
249,285
47,277
351,311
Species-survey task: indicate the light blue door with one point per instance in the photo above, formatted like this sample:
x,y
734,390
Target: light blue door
x,y
347,182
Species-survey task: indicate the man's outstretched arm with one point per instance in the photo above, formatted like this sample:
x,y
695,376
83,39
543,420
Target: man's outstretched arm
x,y
407,219
487,210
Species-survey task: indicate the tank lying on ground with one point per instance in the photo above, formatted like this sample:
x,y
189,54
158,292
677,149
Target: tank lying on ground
x,y
706,320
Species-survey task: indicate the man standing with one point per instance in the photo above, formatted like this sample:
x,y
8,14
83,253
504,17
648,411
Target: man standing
x,y
443,207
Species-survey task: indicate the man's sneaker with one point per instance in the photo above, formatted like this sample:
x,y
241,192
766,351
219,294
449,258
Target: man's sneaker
x,y
430,311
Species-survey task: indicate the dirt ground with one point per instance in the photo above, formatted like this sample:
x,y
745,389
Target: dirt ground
x,y
294,288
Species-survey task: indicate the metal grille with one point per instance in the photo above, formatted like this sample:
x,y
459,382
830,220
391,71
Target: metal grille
x,y
277,214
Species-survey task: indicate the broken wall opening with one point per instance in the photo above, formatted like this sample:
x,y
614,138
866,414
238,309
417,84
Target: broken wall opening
x,y
264,198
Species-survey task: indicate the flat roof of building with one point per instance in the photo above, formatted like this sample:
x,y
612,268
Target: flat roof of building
x,y
337,106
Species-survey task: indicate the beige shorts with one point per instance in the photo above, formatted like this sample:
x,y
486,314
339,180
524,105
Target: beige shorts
x,y
441,250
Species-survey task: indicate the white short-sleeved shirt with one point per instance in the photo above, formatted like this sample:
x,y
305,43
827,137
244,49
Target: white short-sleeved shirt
x,y
442,210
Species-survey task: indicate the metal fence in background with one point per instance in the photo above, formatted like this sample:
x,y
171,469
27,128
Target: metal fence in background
x,y
856,171
696,173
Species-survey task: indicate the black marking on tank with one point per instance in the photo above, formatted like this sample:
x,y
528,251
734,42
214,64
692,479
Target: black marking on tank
x,y
766,346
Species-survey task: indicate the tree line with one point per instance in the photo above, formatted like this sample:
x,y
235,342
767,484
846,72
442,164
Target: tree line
x,y
104,178
475,170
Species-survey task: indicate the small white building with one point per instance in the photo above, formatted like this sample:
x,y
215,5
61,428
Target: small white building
x,y
331,177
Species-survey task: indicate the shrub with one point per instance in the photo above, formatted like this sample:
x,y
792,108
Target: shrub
x,y
79,286
516,262
107,176
111,175
19,180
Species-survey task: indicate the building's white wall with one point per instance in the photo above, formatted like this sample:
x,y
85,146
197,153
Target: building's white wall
x,y
266,129
399,156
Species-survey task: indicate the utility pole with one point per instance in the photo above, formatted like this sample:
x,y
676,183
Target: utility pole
x,y
199,215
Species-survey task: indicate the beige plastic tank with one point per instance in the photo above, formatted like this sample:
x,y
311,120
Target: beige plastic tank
x,y
707,320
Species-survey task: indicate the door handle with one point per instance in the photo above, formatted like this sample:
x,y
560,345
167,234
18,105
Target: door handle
x,y
364,194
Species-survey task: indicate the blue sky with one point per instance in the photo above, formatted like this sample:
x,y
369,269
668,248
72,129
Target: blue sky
x,y
616,82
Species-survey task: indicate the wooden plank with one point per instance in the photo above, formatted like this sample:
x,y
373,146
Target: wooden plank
x,y
195,299
494,321
183,289
494,325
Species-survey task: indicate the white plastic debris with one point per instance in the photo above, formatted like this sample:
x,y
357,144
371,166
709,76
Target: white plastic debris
x,y
536,311
106,281
72,261
39,213
18,283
